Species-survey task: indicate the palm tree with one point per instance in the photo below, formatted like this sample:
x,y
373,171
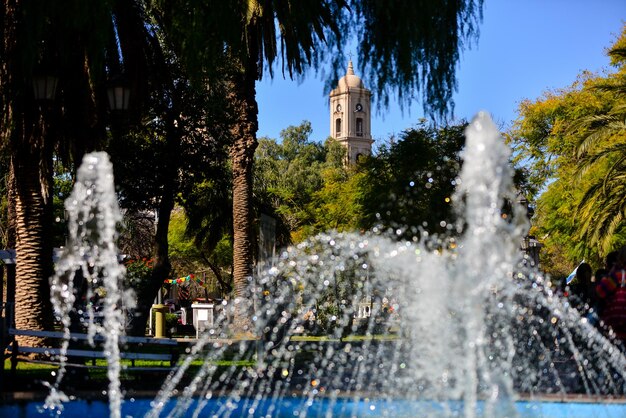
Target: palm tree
x,y
603,147
30,139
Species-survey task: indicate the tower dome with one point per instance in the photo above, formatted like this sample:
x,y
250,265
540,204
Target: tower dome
x,y
350,80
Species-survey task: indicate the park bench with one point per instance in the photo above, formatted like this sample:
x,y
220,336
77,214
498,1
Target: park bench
x,y
88,352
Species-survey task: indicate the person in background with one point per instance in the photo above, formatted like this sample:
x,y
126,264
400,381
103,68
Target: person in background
x,y
583,293
610,260
582,288
611,292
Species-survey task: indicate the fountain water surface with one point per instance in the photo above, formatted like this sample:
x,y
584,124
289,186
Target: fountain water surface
x,y
435,326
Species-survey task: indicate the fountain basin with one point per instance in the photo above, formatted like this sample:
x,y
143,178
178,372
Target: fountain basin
x,y
339,408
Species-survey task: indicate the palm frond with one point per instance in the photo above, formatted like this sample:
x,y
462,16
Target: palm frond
x,y
601,212
618,53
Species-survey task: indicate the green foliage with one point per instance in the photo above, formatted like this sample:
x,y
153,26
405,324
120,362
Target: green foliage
x,y
208,208
249,35
138,273
410,183
335,205
555,224
603,150
169,149
187,255
302,183
544,143
223,252
541,136
573,142
62,188
171,320
180,244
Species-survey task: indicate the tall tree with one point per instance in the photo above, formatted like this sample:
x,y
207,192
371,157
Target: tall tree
x,y
408,46
208,207
337,205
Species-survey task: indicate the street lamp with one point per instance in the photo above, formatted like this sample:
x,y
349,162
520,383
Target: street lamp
x,y
44,86
523,202
529,245
118,92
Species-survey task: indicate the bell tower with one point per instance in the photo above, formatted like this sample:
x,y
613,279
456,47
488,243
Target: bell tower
x,y
350,116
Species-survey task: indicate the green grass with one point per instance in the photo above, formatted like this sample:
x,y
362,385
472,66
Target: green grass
x,y
381,337
313,338
28,372
229,358
27,367
324,338
195,363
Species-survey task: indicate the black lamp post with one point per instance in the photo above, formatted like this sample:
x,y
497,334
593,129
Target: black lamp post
x,y
530,246
523,202
45,87
118,93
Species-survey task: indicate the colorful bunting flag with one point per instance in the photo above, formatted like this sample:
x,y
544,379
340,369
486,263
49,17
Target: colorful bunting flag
x,y
181,280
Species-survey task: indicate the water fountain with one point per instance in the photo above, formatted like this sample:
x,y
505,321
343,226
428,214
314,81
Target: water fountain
x,y
476,327
435,326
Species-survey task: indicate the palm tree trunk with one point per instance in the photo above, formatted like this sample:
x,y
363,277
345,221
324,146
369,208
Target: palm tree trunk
x,y
10,297
243,99
33,222
31,173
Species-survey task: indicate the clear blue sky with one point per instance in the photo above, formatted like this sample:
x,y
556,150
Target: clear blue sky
x,y
525,48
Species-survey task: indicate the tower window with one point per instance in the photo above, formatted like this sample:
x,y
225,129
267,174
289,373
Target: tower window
x,y
338,127
359,126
